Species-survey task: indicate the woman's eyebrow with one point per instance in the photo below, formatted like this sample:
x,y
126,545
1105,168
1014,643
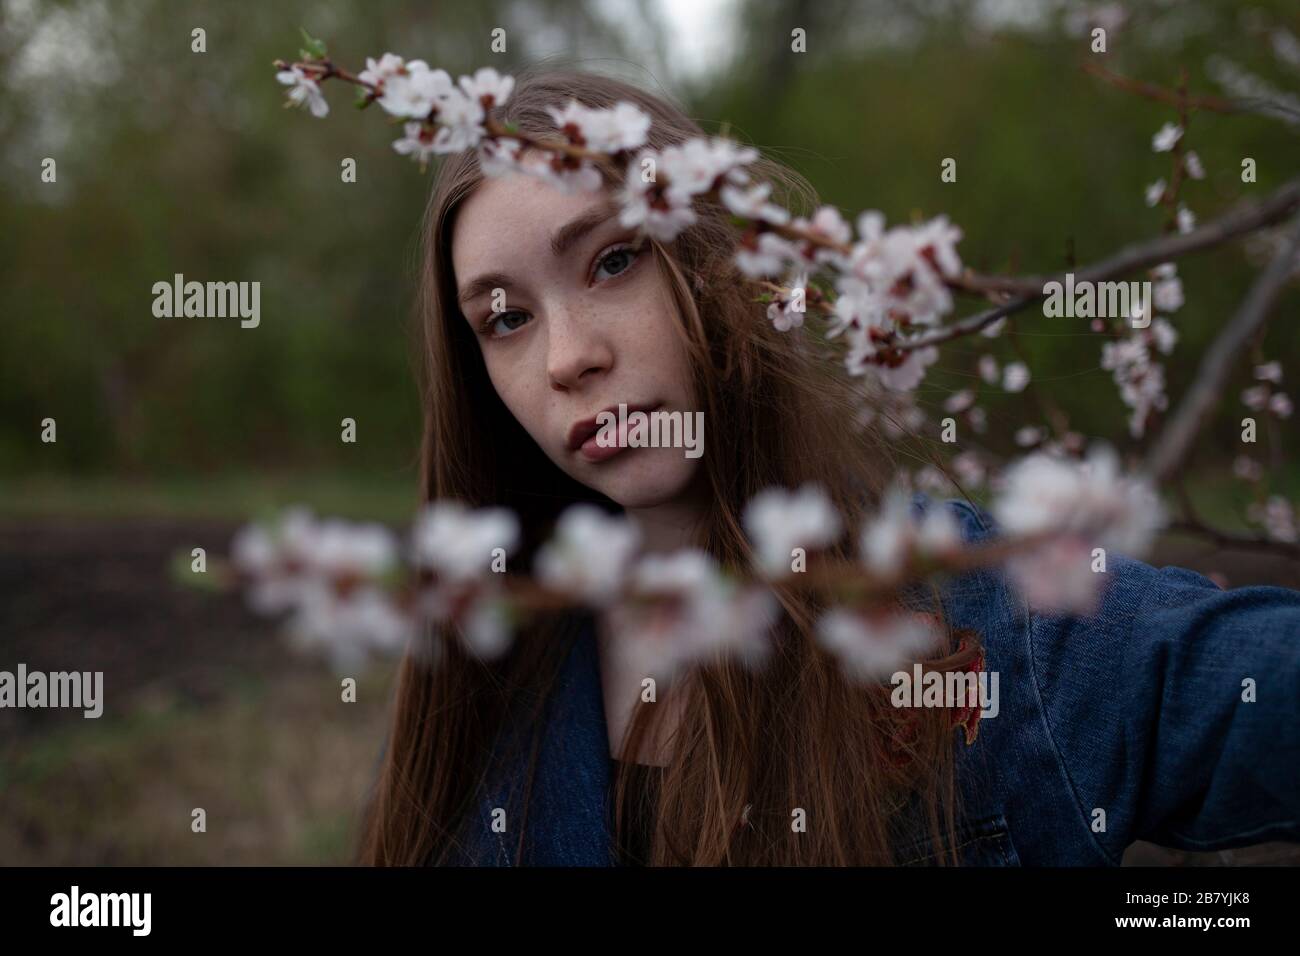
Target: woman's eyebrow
x,y
561,241
484,283
579,226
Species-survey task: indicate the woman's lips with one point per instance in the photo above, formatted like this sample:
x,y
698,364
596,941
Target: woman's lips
x,y
595,452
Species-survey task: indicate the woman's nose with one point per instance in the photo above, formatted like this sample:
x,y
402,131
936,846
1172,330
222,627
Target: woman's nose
x,y
577,351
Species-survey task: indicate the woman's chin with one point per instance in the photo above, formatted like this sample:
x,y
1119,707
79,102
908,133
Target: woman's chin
x,y
646,478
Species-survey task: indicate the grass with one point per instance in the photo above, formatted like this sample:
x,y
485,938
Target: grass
x,y
281,768
235,497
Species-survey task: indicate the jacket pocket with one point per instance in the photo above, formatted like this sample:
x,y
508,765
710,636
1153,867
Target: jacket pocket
x,y
984,842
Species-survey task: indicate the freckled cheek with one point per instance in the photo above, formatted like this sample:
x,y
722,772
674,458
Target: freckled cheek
x,y
645,317
656,339
516,380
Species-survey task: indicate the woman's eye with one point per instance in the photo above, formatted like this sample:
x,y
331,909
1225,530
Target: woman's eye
x,y
498,325
616,262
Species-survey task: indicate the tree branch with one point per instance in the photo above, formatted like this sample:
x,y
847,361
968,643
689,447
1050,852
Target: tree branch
x,y
1150,91
1176,439
1029,289
1238,542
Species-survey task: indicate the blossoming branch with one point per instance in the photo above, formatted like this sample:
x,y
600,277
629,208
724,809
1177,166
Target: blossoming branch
x,y
351,590
893,286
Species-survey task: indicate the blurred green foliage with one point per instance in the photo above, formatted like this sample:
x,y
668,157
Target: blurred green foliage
x,y
171,161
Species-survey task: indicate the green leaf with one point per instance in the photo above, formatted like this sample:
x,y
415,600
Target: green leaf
x,y
315,48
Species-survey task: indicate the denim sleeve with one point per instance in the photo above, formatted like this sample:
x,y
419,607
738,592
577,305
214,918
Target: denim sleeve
x,y
1176,709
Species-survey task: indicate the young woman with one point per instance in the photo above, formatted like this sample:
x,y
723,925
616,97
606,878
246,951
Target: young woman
x,y
1170,716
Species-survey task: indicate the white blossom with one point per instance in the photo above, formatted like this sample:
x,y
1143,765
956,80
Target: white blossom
x,y
936,241
1141,381
1029,435
872,644
778,521
970,470
643,204
827,222
585,178
286,561
1155,192
1015,376
458,543
342,549
303,91
623,127
1247,468
413,90
1163,335
499,156
782,313
1090,501
697,165
770,257
590,553
348,626
958,402
1166,137
683,610
903,376
460,123
377,72
1278,518
1255,397
486,626
1168,294
487,87
752,202
892,537
416,143
1269,372
1057,576
1192,163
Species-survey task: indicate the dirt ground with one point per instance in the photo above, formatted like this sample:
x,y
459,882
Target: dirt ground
x,y
207,707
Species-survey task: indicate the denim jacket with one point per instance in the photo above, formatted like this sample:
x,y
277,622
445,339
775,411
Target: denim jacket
x,y
1133,723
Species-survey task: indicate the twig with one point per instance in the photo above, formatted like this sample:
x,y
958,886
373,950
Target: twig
x,y
1176,439
1238,222
1151,91
1239,542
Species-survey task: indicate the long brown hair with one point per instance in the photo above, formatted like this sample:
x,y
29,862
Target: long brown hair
x,y
751,743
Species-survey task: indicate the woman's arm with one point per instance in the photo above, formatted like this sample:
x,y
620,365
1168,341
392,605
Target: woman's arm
x,y
1176,708
1170,715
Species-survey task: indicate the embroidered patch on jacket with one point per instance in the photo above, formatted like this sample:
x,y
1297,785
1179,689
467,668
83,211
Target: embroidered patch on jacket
x,y
901,744
968,716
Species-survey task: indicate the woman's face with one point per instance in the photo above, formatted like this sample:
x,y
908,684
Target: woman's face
x,y
582,322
